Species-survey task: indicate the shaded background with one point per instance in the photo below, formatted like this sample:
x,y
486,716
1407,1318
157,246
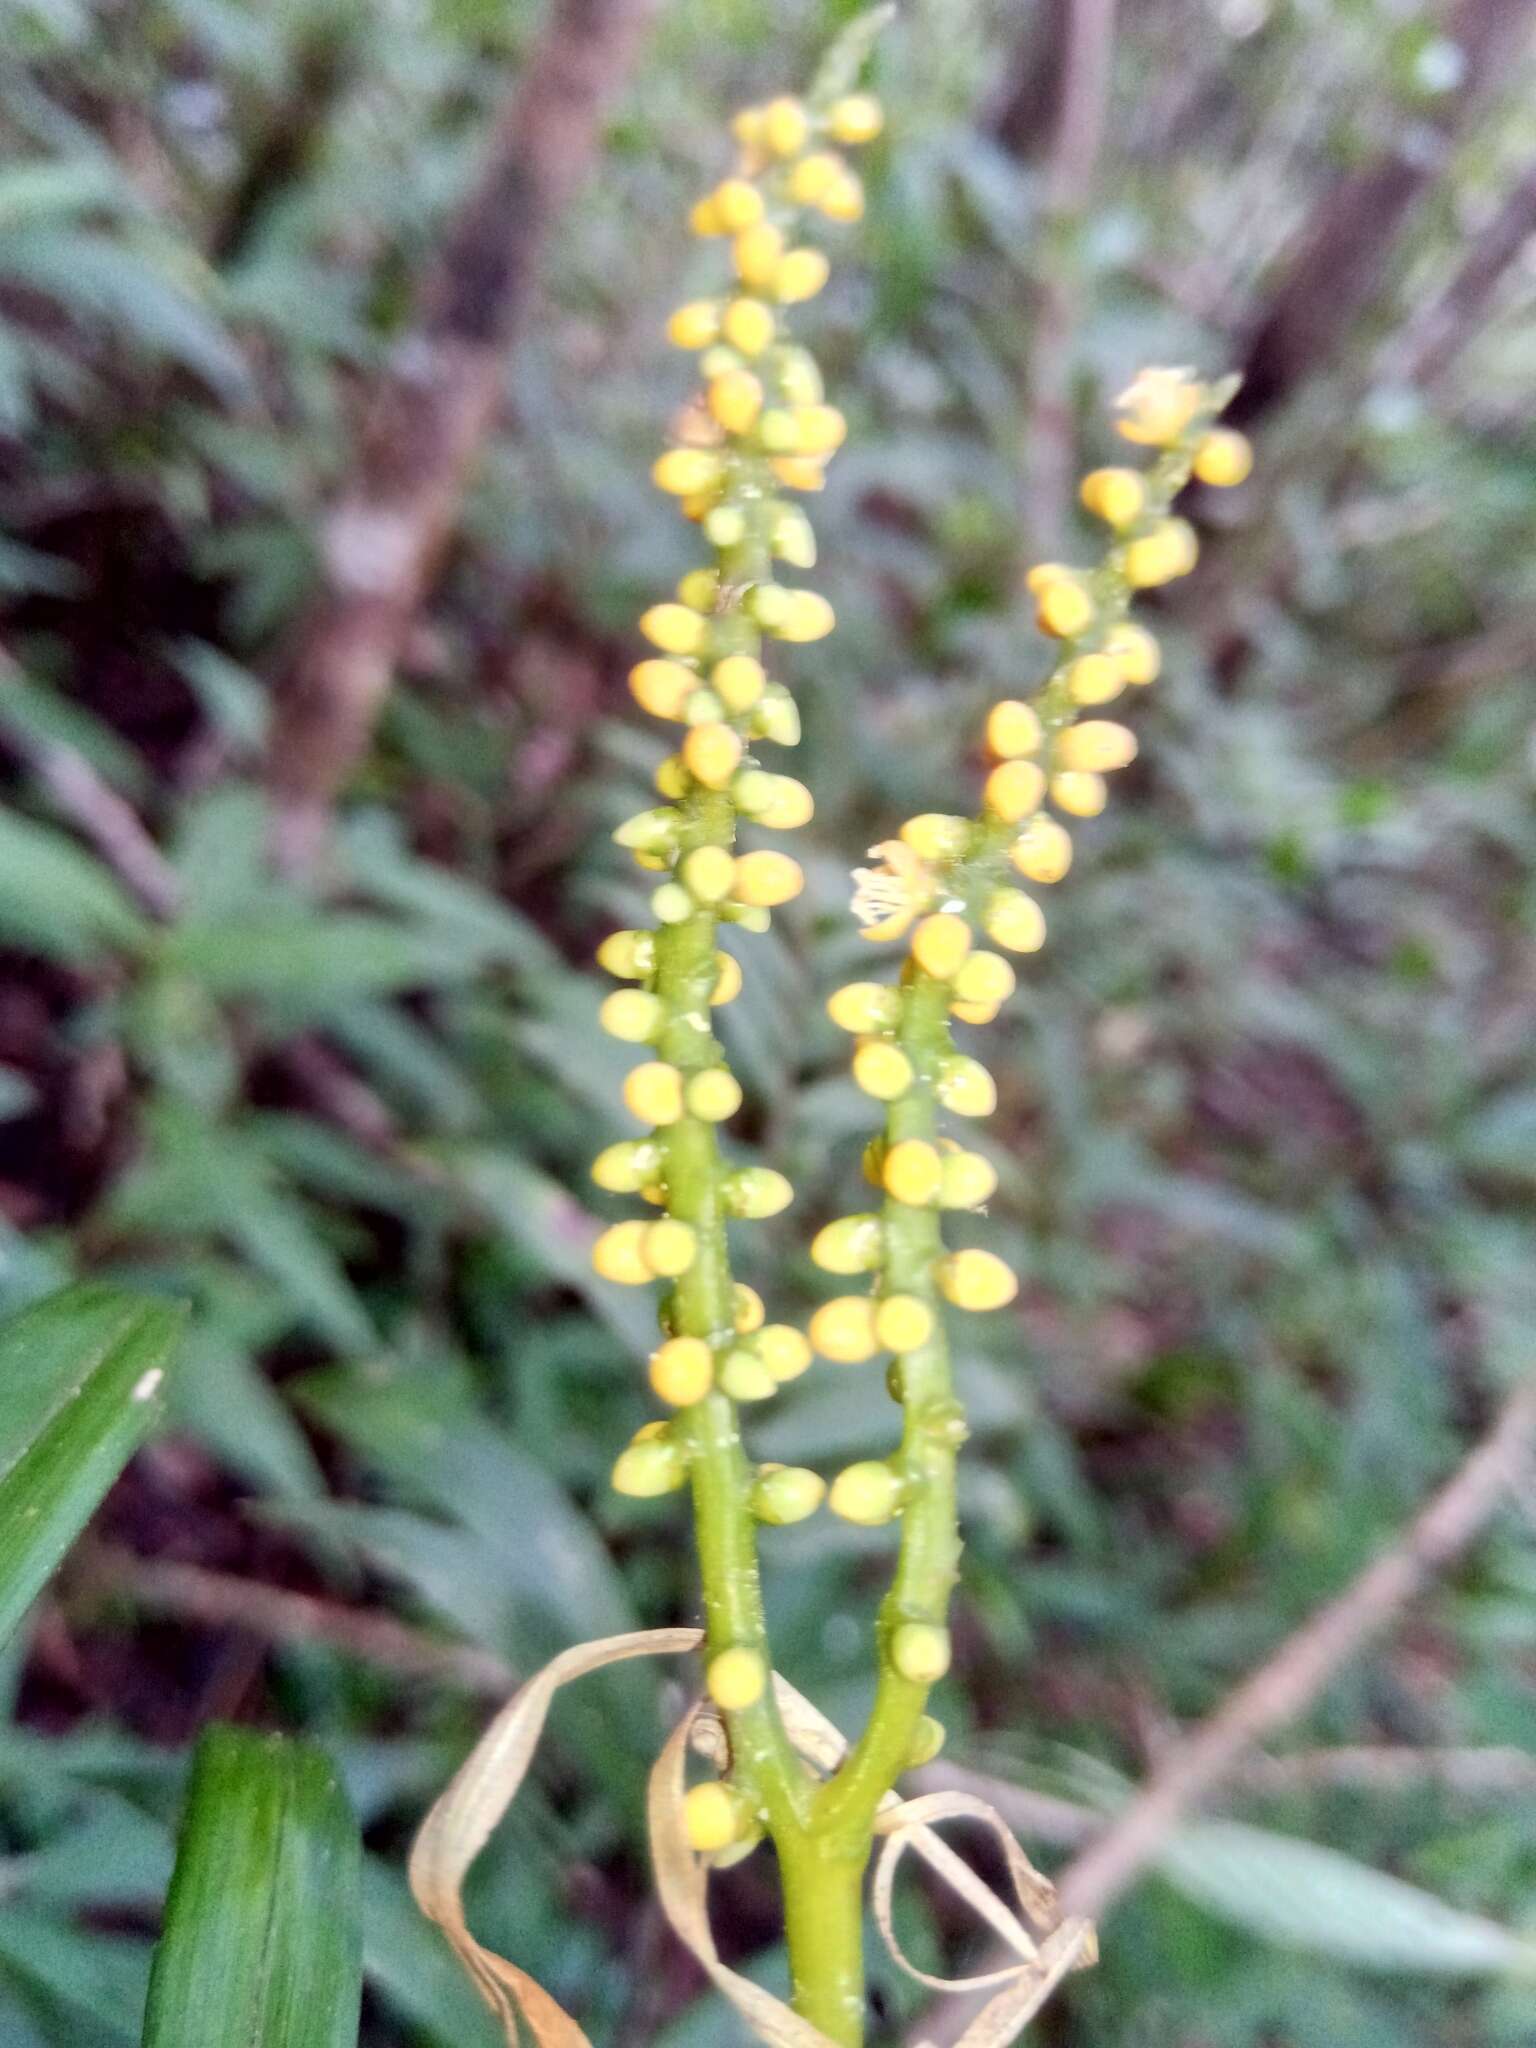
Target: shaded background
x,y
1268,1100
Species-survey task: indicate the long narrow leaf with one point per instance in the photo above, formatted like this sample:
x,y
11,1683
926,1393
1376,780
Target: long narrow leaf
x,y
81,1380
263,1928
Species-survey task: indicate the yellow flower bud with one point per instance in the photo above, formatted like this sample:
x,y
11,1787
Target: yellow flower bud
x,y
1043,574
672,904
682,1371
912,1172
819,429
1224,457
619,1255
844,198
1117,496
935,836
973,1013
699,589
1159,406
725,526
1134,649
633,1015
1094,679
868,1493
973,1279
654,1093
757,252
682,470
670,1247
737,203
786,1493
674,628
713,1095
736,1679
807,616
757,1191
625,1168
695,325
1064,609
800,380
785,127
903,1322
713,754
985,978
1079,794
793,538
672,777
738,681
969,1181
785,1351
714,1816
747,127
1169,550
662,687
882,1070
735,400
964,1086
927,1741
748,325
1094,747
704,219
920,1652
648,1469
1013,728
1043,850
863,1006
707,873
745,1378
1013,790
801,276
799,472
746,1309
856,117
813,174
844,1330
629,955
767,878
940,942
727,975
850,1245
1014,921
786,804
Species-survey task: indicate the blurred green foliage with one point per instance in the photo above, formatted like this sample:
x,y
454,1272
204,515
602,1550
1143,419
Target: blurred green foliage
x,y
1268,1100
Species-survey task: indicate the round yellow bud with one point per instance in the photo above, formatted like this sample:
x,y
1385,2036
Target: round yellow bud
x,y
737,204
748,325
682,1371
844,198
738,680
699,589
1158,407
868,1493
974,1279
813,175
801,276
1043,850
1043,574
785,1351
713,1817
789,805
1117,496
1079,794
670,1248
625,1168
786,1493
1094,747
1169,550
882,1070
969,1181
662,687
1013,728
695,325
1013,790
1094,679
671,776
745,1378
912,1172
965,1086
736,1679
727,974
649,1468
713,1095
936,836
920,1652
844,1330
633,1015
619,1255
757,252
819,429
903,1323
703,219
1224,457
927,1741
856,117
746,1309
682,470
985,978
1134,649
712,754
767,878
654,1093
629,955
807,616
1064,609
673,627
940,942
707,873
851,1244
973,1013
863,1006
793,538
799,472
735,400
1014,921
757,1191
785,127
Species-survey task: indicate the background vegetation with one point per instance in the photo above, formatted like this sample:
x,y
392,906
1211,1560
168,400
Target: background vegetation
x,y
1268,1113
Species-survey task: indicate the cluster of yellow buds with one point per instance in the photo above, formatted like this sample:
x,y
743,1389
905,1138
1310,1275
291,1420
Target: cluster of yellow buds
x,y
757,428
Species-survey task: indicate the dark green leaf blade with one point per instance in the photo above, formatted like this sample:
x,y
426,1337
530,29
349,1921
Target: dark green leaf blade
x,y
82,1376
263,1928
